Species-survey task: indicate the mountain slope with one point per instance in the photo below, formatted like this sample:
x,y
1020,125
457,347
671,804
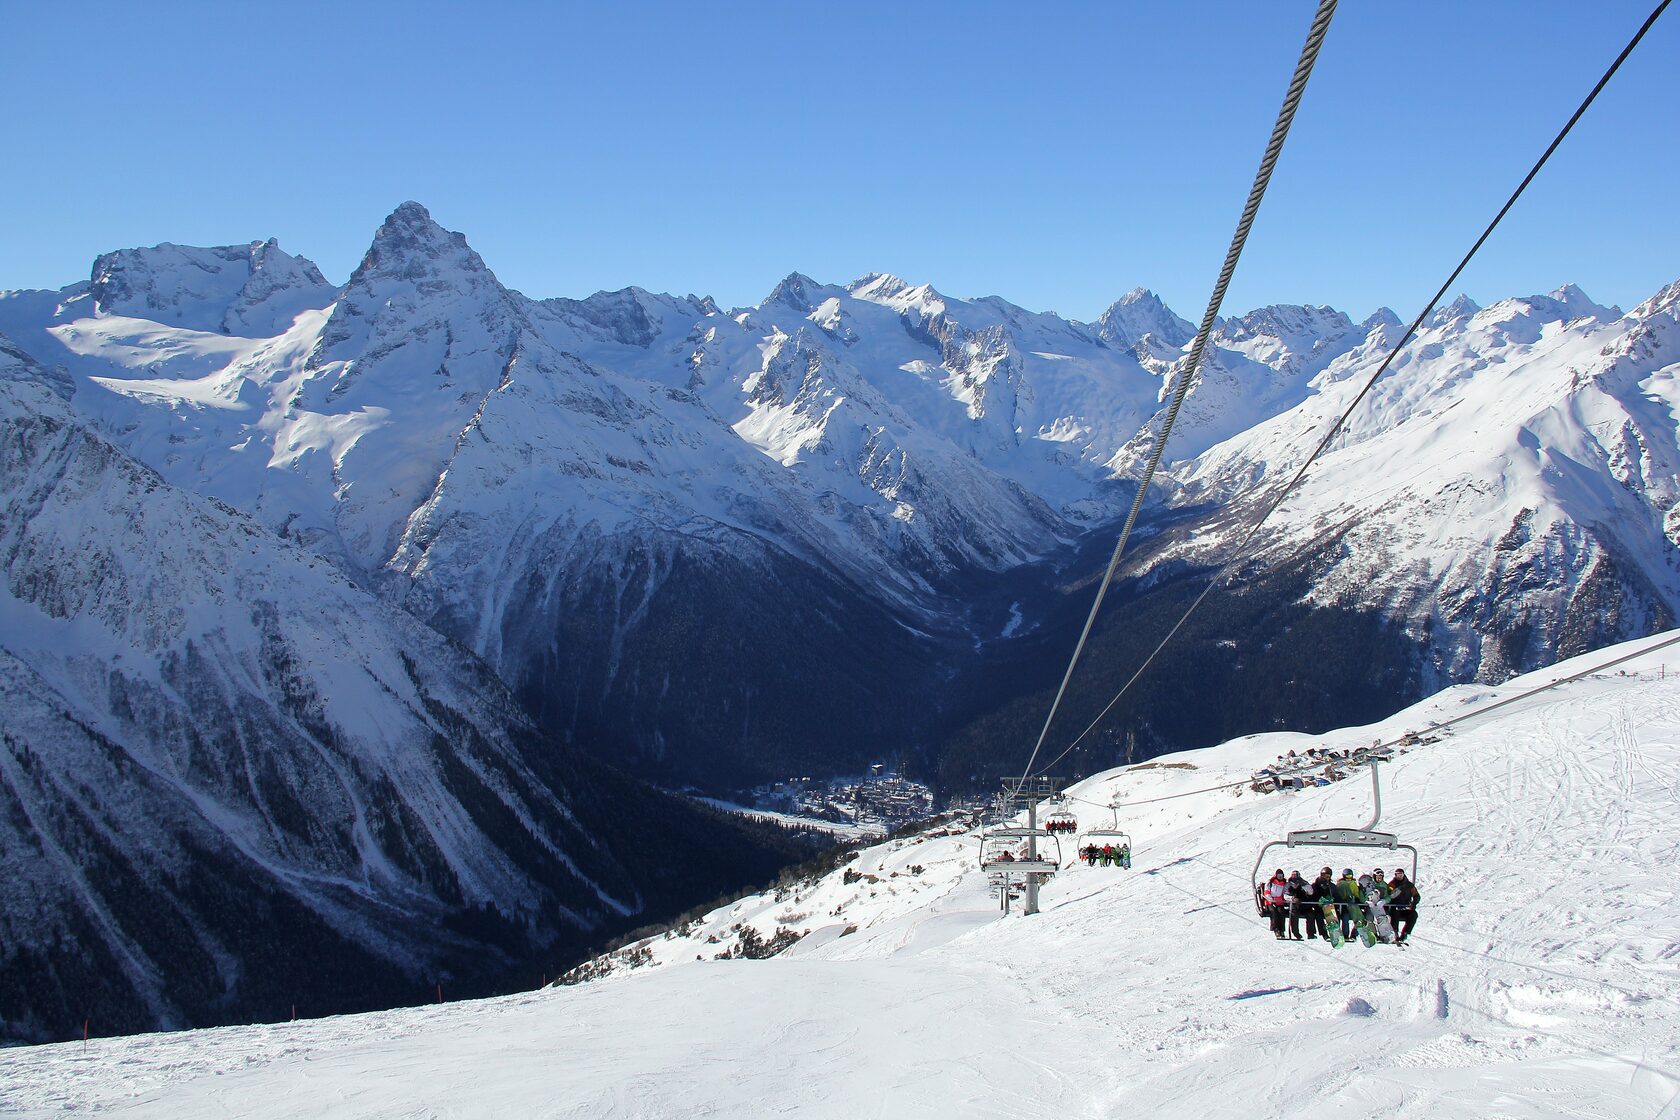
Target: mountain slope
x,y
231,780
1539,981
1506,494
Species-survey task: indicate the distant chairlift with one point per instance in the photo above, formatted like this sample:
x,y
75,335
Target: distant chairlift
x,y
1106,837
1061,821
998,852
1001,857
1366,839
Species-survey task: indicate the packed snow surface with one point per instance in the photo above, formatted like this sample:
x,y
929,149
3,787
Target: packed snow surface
x,y
1543,979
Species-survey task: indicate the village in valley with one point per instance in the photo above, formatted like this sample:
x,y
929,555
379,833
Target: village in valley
x,y
880,800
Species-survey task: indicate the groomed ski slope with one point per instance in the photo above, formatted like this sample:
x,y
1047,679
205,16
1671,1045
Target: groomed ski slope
x,y
1544,980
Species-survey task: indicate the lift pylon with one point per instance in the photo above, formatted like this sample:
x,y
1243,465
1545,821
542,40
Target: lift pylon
x,y
1029,791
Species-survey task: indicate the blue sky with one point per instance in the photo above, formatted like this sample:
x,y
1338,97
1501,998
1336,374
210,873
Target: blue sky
x,y
1057,155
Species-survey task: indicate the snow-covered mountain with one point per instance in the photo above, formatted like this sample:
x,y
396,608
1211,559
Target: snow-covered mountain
x,y
231,780
1540,980
585,491
1509,492
736,544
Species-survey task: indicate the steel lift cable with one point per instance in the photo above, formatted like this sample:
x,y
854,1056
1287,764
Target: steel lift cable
x,y
1187,371
1242,544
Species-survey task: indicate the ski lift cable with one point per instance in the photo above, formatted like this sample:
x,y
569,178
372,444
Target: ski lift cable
x,y
1237,553
1187,371
1438,725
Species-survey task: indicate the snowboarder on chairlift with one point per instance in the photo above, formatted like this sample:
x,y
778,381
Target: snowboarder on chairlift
x,y
1348,895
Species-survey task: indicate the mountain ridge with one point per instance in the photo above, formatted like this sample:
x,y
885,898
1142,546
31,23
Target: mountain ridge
x,y
862,457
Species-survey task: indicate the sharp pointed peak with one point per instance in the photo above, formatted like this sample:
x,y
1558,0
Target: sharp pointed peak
x,y
1381,317
1138,313
412,220
1462,307
410,244
410,213
795,291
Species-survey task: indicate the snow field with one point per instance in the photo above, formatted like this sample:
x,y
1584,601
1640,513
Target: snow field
x,y
1543,979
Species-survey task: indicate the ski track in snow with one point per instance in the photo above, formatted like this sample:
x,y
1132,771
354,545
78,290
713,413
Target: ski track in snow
x,y
1543,979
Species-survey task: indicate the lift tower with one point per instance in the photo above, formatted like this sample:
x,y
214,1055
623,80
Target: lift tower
x,y
1029,791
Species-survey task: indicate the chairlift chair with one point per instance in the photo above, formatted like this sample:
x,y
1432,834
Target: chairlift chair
x,y
998,842
1102,837
1366,839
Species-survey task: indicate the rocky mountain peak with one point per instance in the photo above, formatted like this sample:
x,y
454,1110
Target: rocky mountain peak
x,y
1462,307
622,316
1523,318
410,246
254,290
794,291
1138,313
1290,323
1381,317
419,279
1577,304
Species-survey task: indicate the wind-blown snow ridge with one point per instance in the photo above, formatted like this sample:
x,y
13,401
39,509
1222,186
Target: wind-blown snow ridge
x,y
1540,980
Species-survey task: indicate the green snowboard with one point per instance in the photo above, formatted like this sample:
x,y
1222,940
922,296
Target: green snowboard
x,y
1333,926
1367,935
